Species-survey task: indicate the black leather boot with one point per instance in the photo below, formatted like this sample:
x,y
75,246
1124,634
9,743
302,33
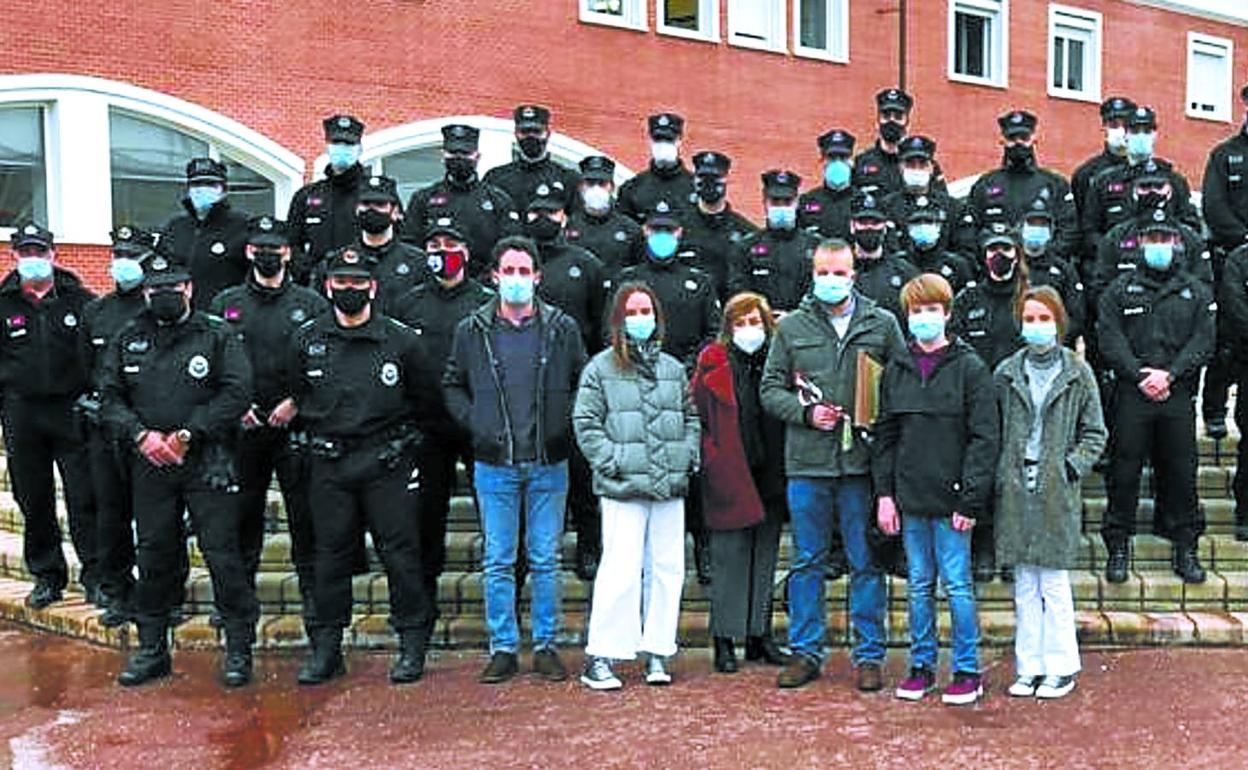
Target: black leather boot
x,y
236,669
1187,563
409,666
725,655
152,660
1116,564
325,661
763,648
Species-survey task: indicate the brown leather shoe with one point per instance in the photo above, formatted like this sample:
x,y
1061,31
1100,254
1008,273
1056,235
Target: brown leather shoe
x,y
798,672
869,678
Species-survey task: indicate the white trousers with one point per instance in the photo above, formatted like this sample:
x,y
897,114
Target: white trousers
x,y
643,550
1045,641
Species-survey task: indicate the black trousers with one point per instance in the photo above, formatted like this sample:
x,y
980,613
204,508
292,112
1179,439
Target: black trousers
x,y
40,433
348,494
1219,375
583,510
262,452
1164,434
437,458
160,496
1240,484
114,515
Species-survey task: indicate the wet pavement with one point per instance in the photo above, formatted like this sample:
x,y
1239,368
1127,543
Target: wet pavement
x,y
59,708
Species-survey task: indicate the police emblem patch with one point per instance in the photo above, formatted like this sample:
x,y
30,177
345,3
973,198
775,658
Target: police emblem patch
x,y
316,349
574,272
621,236
691,285
197,367
402,269
895,280
389,374
487,205
217,248
298,315
70,320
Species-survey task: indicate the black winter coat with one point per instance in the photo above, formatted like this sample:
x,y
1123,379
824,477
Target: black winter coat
x,y
41,352
212,248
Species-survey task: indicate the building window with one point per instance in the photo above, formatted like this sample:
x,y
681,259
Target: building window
x,y
821,29
979,42
412,169
630,14
23,174
1209,77
696,19
757,24
1074,53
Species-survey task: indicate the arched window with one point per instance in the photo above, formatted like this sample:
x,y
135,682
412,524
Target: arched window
x,y
83,154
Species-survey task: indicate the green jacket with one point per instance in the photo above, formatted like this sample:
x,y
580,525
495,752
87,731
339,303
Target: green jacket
x,y
637,428
806,343
1072,440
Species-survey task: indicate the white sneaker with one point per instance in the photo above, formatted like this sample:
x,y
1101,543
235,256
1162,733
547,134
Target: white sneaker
x,y
1054,687
599,676
656,674
1025,686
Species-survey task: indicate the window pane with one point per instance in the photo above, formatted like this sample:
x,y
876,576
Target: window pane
x,y
682,14
1074,72
1207,80
414,169
148,169
971,45
250,191
814,24
751,18
1059,61
23,178
609,7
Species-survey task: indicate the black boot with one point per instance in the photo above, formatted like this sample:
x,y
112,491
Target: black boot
x,y
725,655
1241,525
702,557
1215,427
236,671
325,661
116,612
837,565
587,558
152,661
763,648
984,564
1187,563
1116,564
409,666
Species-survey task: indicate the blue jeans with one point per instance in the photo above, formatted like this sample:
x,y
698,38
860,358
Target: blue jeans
x,y
501,490
816,505
932,545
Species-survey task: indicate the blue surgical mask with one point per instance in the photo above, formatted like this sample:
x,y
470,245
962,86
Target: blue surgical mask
x,y
128,273
927,325
342,156
640,327
925,234
836,174
662,244
203,197
1036,237
832,289
34,268
1159,256
1140,146
1040,334
515,289
782,217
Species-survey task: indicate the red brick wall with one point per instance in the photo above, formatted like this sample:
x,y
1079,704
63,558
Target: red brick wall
x,y
279,67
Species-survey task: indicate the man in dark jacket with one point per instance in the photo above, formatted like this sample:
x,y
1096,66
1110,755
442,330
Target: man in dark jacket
x,y
1114,112
597,224
809,382
879,273
775,261
533,166
509,381
917,155
397,266
1233,312
823,210
923,237
712,230
209,238
878,170
322,214
1047,267
667,178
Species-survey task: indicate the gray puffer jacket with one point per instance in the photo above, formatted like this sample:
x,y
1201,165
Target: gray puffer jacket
x,y
637,427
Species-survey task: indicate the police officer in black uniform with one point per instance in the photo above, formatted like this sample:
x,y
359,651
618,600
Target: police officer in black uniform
x,y
322,214
1233,314
824,210
775,261
1224,203
573,279
365,392
397,265
1156,329
176,383
534,165
878,169
1114,112
484,212
923,244
1046,267
984,315
1002,195
265,310
210,236
880,273
42,373
597,224
433,310
713,230
917,156
667,178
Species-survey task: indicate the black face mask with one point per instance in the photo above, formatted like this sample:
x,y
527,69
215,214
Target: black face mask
x,y
710,189
1001,267
374,222
268,262
869,240
350,301
167,306
1151,200
543,228
532,146
1019,155
461,169
891,131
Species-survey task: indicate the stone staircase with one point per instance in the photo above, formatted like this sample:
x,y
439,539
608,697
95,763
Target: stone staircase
x,y
1152,607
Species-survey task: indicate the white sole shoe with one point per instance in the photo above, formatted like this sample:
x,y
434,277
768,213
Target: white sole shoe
x,y
963,700
601,685
1024,687
1059,688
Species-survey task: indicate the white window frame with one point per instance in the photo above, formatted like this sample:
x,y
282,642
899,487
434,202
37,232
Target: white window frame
x,y
707,9
775,41
77,149
1224,112
1092,23
633,16
999,12
838,33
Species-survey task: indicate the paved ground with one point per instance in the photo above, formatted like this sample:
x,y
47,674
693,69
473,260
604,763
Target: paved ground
x,y
1147,708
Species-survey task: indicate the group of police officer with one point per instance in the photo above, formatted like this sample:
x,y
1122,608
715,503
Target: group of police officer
x,y
233,348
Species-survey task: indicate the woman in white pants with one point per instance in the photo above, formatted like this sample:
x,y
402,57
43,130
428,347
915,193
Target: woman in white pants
x,y
635,423
1052,432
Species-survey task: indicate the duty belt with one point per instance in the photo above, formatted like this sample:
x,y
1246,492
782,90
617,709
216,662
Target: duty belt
x,y
392,442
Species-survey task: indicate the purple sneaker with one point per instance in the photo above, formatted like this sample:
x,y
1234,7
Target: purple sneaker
x,y
914,687
964,690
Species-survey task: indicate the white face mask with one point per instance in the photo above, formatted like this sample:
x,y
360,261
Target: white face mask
x,y
596,197
749,338
1116,139
664,153
917,178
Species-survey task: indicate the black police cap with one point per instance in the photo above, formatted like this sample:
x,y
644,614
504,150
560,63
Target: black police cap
x,y
267,231
1039,208
206,170
663,215
893,99
32,234
1116,107
457,137
866,206
1148,172
549,196
1017,123
711,163
443,223
160,270
344,129
133,242
378,189
347,262
531,116
924,211
997,232
836,142
598,168
780,184
666,126
1142,117
917,147
1159,221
